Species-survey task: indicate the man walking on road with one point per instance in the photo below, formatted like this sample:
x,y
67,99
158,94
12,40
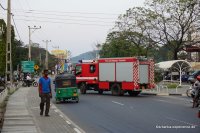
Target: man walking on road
x,y
45,92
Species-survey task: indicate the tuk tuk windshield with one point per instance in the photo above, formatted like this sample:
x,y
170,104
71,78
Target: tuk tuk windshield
x,y
65,83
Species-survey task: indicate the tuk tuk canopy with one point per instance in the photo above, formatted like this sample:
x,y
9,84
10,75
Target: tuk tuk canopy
x,y
65,80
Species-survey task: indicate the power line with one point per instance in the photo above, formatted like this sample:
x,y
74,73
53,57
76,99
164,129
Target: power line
x,y
66,15
63,22
63,19
16,27
2,7
110,14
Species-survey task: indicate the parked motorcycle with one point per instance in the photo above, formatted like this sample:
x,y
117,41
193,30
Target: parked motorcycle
x,y
32,82
190,92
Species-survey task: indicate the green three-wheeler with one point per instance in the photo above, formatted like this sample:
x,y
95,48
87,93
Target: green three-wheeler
x,y
65,88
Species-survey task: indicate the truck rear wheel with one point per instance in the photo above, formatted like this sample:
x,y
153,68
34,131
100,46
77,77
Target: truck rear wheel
x,y
116,90
83,88
100,91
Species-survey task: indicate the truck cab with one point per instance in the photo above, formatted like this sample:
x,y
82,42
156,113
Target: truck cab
x,y
87,75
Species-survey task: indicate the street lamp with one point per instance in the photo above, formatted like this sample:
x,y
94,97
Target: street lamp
x,y
30,33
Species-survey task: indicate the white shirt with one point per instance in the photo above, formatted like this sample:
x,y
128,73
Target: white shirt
x,y
28,77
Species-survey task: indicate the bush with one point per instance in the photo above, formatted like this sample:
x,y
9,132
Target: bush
x,y
172,85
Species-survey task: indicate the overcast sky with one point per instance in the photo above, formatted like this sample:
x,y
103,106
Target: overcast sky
x,y
75,25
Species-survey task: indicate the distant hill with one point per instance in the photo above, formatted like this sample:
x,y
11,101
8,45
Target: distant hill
x,y
85,56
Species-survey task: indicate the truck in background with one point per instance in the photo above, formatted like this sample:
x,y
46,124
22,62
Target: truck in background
x,y
118,75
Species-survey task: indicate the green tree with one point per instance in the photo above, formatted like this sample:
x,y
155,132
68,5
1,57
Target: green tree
x,y
173,21
117,45
135,25
2,47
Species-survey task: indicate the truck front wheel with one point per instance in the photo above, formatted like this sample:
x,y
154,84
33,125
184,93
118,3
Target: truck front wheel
x,y
83,88
116,90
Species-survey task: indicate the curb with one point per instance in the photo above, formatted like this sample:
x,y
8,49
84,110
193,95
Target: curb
x,y
73,125
175,94
146,93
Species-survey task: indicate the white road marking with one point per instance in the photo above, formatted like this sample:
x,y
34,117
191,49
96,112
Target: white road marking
x,y
181,121
118,103
68,122
56,110
77,130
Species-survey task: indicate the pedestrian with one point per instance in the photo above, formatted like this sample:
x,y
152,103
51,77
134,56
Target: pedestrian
x,y
45,92
196,92
28,80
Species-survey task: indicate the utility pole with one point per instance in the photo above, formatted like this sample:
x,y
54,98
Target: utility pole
x,y
40,59
29,48
46,60
8,74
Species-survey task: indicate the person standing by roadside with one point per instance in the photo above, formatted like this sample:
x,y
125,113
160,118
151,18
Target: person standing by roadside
x,y
28,80
45,92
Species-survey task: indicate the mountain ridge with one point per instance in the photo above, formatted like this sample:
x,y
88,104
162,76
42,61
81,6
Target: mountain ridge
x,y
90,55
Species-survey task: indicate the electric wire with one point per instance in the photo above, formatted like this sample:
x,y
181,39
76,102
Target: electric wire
x,y
62,22
16,27
53,14
61,18
109,14
2,7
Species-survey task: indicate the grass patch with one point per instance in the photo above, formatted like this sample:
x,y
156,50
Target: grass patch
x,y
172,85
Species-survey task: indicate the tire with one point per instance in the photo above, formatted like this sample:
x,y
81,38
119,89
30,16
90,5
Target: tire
x,y
83,88
188,93
197,101
24,84
100,91
130,93
35,84
134,93
116,90
77,100
57,101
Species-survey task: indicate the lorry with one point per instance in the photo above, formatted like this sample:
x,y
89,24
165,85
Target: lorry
x,y
118,75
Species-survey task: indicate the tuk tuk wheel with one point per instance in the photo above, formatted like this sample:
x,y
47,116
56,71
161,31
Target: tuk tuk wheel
x,y
57,101
77,100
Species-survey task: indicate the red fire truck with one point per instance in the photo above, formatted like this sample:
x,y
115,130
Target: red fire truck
x,y
118,75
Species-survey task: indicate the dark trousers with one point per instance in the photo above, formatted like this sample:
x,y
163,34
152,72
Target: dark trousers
x,y
28,83
45,99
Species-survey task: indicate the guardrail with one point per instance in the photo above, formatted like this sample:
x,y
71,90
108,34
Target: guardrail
x,y
162,88
182,85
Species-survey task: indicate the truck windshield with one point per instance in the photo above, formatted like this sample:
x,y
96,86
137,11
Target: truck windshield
x,y
78,70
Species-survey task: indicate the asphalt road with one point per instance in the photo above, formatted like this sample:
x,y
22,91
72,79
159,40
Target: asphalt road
x,y
142,114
